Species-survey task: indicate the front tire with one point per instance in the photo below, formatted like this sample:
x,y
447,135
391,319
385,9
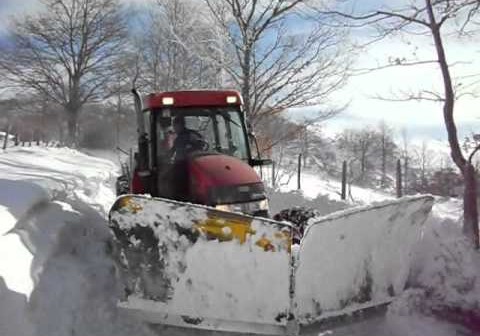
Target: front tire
x,y
122,185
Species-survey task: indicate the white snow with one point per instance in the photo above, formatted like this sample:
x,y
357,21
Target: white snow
x,y
316,183
56,277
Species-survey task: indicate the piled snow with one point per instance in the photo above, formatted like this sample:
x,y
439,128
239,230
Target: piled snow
x,y
62,173
55,275
323,204
445,277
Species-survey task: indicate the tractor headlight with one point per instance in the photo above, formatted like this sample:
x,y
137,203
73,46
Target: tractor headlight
x,y
232,99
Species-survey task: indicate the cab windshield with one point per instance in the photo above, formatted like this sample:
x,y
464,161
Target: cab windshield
x,y
222,129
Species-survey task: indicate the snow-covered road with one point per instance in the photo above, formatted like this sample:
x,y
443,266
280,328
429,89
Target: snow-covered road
x,y
56,276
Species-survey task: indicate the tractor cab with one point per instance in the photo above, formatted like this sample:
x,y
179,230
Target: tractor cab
x,y
179,131
195,148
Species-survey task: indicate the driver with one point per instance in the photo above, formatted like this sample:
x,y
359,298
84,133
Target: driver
x,y
186,140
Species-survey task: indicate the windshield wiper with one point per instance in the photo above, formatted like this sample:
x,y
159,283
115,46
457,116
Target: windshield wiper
x,y
226,115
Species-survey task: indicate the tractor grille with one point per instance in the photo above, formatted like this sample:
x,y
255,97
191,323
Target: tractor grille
x,y
237,194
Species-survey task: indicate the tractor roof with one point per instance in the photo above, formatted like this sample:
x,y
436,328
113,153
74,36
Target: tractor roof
x,y
193,98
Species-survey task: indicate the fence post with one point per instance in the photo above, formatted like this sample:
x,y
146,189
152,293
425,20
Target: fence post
x,y
273,174
299,171
399,179
344,180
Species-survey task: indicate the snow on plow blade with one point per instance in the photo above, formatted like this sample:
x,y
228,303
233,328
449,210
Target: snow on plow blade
x,y
193,266
188,265
355,259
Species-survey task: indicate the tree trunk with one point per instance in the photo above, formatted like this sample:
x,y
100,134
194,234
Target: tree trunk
x,y
117,123
363,165
246,71
299,172
399,179
384,162
405,176
7,134
470,209
72,126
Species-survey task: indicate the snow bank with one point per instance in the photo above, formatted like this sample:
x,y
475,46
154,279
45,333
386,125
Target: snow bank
x,y
323,204
17,198
445,279
62,173
30,178
20,199
55,275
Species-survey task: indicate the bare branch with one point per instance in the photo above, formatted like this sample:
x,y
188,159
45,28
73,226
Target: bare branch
x,y
472,154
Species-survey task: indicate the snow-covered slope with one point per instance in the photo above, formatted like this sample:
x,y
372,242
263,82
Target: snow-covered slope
x,y
56,277
319,191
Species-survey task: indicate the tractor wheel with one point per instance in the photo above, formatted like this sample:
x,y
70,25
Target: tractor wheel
x,y
122,185
299,217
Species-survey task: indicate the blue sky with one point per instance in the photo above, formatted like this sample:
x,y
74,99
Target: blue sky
x,y
422,120
14,7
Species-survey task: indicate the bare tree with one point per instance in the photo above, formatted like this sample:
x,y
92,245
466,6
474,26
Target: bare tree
x,y
275,65
386,148
176,46
358,147
66,52
432,18
422,168
405,156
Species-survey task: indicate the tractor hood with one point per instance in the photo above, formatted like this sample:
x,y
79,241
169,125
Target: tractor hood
x,y
225,179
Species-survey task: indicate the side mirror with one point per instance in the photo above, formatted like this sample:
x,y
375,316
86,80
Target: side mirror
x,y
122,151
260,162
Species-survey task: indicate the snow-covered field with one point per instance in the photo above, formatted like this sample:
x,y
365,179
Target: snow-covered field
x,y
56,276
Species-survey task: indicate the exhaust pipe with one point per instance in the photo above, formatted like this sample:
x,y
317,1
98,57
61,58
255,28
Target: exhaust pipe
x,y
142,156
137,101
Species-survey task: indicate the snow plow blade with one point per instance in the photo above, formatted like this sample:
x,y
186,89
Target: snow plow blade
x,y
357,259
192,266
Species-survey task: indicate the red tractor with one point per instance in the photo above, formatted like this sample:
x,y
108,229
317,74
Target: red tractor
x,y
216,267
193,146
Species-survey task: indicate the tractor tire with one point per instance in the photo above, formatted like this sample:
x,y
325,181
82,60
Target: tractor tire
x,y
122,185
298,217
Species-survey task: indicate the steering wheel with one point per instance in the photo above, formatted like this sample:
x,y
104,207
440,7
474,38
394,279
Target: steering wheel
x,y
203,144
200,142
